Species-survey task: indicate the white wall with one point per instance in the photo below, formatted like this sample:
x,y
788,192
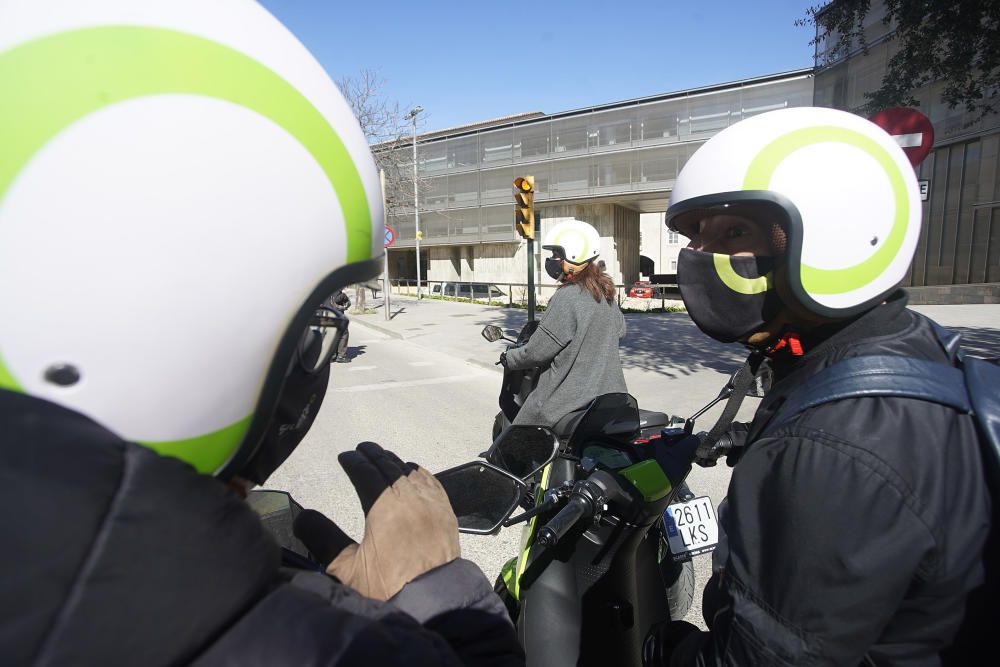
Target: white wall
x,y
506,262
658,244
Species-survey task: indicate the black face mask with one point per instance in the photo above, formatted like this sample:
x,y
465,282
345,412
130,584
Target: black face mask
x,y
728,297
553,267
298,405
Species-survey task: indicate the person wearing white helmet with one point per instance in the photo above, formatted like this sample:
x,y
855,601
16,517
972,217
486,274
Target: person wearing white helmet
x,y
181,187
854,529
576,344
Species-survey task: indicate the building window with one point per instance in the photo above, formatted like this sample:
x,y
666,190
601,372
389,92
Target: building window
x,y
673,265
672,238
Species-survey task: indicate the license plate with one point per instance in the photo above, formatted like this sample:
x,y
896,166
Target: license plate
x,y
691,528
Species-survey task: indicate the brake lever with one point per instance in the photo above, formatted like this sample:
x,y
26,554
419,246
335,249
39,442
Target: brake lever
x,y
552,498
534,511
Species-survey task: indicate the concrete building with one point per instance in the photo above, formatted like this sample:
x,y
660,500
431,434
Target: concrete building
x,y
611,165
658,246
960,241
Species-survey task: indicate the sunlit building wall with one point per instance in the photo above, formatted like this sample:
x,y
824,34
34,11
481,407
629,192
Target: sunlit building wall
x,y
607,165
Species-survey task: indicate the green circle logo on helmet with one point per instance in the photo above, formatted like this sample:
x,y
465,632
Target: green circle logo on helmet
x,y
573,241
179,190
840,187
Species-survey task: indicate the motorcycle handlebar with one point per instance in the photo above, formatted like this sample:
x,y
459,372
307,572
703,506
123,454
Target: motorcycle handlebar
x,y
578,507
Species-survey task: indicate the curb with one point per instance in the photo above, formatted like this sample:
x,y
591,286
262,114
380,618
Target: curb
x,y
488,365
378,327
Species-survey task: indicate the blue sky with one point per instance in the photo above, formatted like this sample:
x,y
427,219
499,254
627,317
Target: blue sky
x,y
470,61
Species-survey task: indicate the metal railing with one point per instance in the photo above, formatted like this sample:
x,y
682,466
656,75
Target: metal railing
x,y
510,294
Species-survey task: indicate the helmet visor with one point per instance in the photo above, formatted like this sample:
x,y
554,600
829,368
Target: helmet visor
x,y
770,217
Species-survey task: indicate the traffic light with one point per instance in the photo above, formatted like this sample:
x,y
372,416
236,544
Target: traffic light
x,y
524,206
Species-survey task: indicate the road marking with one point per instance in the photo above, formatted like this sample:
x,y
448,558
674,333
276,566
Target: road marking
x,y
421,363
403,384
362,368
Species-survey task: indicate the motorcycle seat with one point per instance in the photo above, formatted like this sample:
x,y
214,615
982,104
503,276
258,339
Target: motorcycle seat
x,y
565,426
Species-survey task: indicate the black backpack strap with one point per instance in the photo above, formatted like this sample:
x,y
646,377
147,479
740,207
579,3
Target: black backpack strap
x,y
706,455
950,341
880,375
983,380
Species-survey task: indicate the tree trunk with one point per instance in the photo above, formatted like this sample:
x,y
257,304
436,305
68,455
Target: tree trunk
x,y
359,298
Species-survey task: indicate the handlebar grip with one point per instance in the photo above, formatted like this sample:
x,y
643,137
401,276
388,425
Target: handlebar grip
x,y
577,508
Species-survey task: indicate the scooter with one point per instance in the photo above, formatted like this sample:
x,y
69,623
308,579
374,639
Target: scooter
x,y
608,535
610,524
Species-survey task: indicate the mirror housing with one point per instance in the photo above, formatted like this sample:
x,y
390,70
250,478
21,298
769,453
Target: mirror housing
x,y
277,511
523,450
492,333
482,496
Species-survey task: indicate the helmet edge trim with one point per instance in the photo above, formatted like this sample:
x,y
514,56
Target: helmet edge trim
x,y
274,380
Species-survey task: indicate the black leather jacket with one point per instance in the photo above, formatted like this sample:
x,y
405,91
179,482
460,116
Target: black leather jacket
x,y
113,555
854,532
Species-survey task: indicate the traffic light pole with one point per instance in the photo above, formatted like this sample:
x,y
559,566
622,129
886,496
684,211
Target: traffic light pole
x,y
531,280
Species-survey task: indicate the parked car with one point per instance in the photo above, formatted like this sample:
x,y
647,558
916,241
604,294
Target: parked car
x,y
666,292
641,290
468,290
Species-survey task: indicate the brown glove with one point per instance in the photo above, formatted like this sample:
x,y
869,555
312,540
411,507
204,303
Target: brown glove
x,y
410,527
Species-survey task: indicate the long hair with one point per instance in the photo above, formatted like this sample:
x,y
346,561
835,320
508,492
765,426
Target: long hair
x,y
593,279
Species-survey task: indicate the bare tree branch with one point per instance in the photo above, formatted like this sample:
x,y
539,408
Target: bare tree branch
x,y
388,132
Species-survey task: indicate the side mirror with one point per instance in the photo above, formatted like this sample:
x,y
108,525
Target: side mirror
x,y
482,496
523,450
277,511
492,333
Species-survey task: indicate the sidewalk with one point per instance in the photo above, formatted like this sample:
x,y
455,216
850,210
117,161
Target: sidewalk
x,y
665,345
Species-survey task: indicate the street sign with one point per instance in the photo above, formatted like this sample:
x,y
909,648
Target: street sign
x,y
911,129
390,236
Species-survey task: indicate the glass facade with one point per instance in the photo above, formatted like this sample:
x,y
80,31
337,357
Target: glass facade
x,y
631,147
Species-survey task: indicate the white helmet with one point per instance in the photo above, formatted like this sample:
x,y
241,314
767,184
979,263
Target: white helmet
x,y
841,188
181,185
574,241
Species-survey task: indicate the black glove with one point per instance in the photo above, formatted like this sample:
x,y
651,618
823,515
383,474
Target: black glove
x,y
503,359
735,438
410,527
371,470
730,445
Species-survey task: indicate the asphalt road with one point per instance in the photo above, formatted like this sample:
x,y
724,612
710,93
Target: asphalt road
x,y
426,406
437,409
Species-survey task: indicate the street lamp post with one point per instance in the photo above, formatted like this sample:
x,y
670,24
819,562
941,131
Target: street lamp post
x,y
412,116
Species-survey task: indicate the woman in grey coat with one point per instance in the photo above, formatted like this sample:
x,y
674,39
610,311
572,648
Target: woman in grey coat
x,y
576,344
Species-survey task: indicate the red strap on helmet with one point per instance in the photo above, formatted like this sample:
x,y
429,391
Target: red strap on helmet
x,y
791,341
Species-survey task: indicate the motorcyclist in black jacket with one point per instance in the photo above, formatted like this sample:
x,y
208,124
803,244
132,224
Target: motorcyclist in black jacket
x,y
181,187
853,532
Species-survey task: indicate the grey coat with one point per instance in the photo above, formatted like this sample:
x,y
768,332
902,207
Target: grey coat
x,y
576,346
